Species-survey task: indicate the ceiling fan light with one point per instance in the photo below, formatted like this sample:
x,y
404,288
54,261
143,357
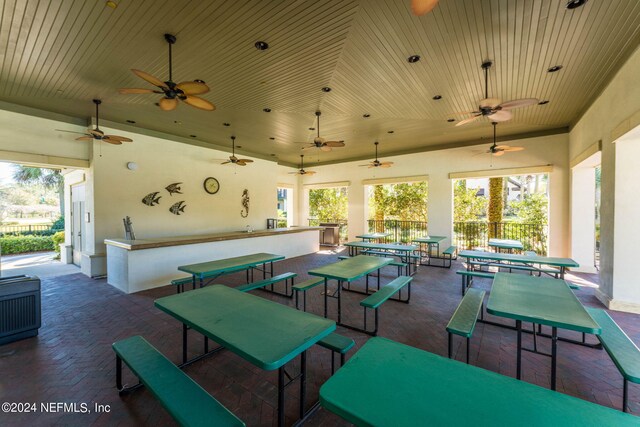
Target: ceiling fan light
x,y
574,4
260,45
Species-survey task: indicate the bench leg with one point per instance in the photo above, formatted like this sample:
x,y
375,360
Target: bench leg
x,y
281,396
184,343
303,381
519,352
333,365
118,373
342,358
468,344
450,345
625,395
297,308
463,283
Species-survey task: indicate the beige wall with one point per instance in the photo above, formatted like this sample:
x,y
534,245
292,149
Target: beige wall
x,y
438,164
616,110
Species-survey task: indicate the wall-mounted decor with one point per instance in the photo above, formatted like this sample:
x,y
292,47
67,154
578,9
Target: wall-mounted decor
x,y
178,207
173,188
151,199
245,204
211,185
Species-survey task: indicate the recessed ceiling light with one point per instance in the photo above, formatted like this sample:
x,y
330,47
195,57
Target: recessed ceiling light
x,y
546,101
312,128
193,136
113,4
271,138
572,4
199,81
326,89
157,104
272,155
451,120
437,97
59,90
260,45
554,68
178,122
266,110
226,124
389,131
131,121
413,59
366,116
238,146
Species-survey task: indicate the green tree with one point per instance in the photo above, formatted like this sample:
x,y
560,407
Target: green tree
x,y
467,206
403,202
48,178
532,209
328,204
496,204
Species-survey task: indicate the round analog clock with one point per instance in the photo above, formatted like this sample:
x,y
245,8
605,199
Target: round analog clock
x,y
211,185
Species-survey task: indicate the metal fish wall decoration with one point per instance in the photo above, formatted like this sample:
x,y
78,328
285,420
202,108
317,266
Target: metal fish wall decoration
x,y
178,207
174,188
151,199
245,204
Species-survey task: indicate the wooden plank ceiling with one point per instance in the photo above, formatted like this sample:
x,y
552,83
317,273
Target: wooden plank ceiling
x,y
58,55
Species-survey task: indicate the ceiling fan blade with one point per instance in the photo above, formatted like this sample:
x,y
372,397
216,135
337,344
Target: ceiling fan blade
x,y
511,149
421,7
84,138
500,116
245,160
294,173
224,163
386,164
200,103
111,141
95,132
498,153
490,102
117,138
241,163
131,90
151,79
193,88
70,131
465,113
325,148
168,104
309,172
469,120
367,165
518,103
335,144
309,147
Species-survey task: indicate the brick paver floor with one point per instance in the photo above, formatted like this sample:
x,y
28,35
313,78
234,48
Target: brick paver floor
x,y
71,360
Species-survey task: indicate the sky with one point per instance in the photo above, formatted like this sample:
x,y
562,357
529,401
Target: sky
x,y
6,173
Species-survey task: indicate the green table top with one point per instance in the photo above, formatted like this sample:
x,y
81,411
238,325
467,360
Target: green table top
x,y
382,246
351,269
542,300
506,244
527,259
373,236
263,332
429,239
228,265
392,384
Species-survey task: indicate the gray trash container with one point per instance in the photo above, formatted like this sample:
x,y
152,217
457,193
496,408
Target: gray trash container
x,y
20,315
330,235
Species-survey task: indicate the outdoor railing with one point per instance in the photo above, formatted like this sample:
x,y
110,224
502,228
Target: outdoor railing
x,y
401,231
476,235
342,223
28,229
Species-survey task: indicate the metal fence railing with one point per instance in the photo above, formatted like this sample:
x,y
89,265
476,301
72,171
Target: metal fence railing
x,y
28,229
476,235
401,231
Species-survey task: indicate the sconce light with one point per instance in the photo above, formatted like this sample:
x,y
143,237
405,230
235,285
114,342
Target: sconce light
x,y
132,166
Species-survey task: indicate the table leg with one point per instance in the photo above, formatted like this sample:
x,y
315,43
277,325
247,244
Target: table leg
x,y
519,352
326,289
201,282
339,301
264,270
193,281
184,343
562,269
271,269
303,381
281,396
554,356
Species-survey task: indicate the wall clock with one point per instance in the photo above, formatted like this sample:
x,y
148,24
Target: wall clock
x,y
211,185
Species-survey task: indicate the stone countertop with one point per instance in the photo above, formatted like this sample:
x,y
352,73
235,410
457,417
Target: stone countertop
x,y
133,245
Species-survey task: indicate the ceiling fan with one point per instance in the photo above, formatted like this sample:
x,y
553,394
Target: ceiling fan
x,y
494,108
377,163
233,159
97,134
301,171
185,91
320,142
422,7
499,150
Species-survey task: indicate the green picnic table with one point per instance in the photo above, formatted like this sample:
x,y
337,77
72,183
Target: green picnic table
x,y
263,332
213,269
431,242
542,301
507,244
561,263
403,252
373,236
391,384
348,270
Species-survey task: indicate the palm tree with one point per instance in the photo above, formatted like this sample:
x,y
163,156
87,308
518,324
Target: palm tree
x,y
49,178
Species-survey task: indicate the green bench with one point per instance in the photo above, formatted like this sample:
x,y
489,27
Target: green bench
x,y
400,265
187,402
375,300
448,254
337,344
179,283
464,319
468,275
624,353
413,259
304,287
554,272
284,277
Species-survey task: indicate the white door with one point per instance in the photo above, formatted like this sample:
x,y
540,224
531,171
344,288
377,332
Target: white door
x,y
77,222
